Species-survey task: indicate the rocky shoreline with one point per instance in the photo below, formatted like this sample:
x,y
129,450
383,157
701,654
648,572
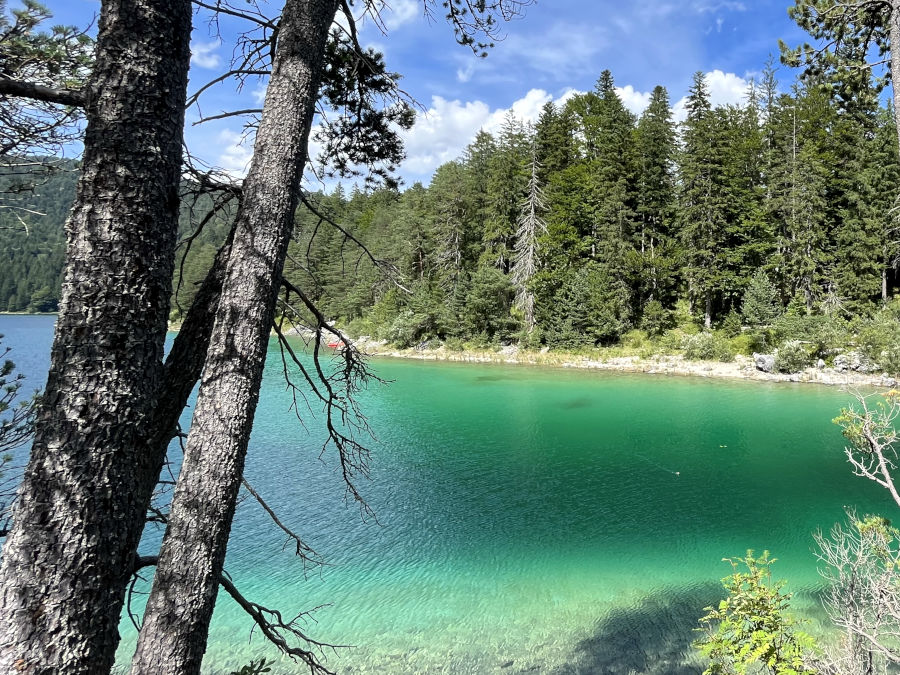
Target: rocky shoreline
x,y
742,368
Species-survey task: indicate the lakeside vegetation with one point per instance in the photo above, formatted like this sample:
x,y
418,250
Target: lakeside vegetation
x,y
767,227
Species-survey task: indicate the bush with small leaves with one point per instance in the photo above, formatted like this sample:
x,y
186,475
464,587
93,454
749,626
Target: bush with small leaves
x,y
731,326
751,631
791,357
656,318
707,347
879,341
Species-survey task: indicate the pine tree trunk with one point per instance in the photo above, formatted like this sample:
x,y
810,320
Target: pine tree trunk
x,y
176,620
83,498
895,60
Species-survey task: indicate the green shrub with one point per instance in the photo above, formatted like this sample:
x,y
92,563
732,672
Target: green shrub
x,y
634,338
879,341
684,319
744,344
454,344
826,334
791,357
751,630
707,347
656,318
731,326
672,340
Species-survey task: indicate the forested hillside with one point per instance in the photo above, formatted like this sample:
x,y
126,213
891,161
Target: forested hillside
x,y
32,241
586,225
592,222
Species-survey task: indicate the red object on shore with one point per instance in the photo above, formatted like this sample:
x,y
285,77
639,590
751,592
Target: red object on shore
x,y
334,345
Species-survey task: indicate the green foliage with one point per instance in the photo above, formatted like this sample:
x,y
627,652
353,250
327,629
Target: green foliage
x,y
782,196
707,347
731,326
825,334
751,631
59,57
655,318
760,303
791,357
879,341
746,344
253,668
16,418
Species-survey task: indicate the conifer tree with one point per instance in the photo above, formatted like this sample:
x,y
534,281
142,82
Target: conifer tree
x,y
531,226
655,198
506,183
701,216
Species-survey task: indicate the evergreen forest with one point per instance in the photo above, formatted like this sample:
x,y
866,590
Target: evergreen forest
x,y
768,221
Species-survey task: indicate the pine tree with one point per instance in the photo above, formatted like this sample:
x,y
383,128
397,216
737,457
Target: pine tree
x,y
655,199
531,226
506,183
701,214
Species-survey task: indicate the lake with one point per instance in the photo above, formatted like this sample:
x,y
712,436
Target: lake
x,y
528,520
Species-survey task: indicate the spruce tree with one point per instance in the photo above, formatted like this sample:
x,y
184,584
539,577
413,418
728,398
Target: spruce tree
x,y
655,200
701,214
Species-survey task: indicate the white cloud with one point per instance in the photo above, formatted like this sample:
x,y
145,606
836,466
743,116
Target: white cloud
x,y
635,101
236,154
724,89
465,74
441,134
203,54
712,6
399,13
259,93
563,50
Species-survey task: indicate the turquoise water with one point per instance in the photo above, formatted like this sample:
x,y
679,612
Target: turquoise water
x,y
529,520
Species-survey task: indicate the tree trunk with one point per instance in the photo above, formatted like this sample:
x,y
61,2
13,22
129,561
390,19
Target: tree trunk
x,y
82,502
176,620
894,38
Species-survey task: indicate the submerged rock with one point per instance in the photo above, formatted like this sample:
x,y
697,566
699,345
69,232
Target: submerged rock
x,y
764,362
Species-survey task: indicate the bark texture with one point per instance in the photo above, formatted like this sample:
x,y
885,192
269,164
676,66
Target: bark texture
x,y
176,620
894,39
82,502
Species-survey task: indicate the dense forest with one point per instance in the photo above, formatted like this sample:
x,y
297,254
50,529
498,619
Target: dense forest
x,y
589,225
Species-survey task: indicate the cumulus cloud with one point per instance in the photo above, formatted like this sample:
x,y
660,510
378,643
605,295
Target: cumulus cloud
x,y
397,13
441,134
237,151
203,54
724,89
636,101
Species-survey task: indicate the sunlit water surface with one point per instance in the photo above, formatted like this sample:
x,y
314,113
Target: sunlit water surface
x,y
528,520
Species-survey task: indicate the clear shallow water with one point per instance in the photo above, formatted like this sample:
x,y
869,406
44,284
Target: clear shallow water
x,y
564,521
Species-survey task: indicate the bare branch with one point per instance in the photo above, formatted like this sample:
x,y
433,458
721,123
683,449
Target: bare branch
x,y
38,92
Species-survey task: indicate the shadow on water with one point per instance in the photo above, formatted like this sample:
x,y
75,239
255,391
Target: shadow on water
x,y
493,378
576,403
651,638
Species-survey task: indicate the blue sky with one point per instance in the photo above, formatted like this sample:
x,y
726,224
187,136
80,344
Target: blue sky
x,y
558,47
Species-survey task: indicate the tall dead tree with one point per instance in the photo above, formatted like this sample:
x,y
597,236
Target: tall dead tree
x,y
531,225
82,502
